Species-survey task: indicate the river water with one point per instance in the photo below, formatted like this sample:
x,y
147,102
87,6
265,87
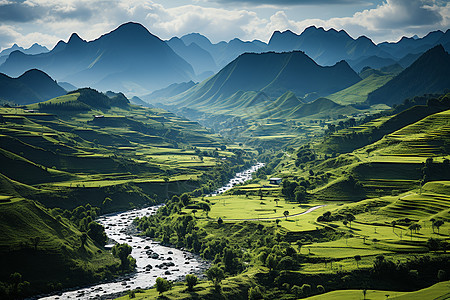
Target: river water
x,y
152,259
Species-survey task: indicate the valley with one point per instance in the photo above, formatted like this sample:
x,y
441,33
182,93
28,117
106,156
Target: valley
x,y
311,166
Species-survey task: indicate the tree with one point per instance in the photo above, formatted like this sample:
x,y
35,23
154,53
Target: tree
x,y
276,201
414,227
260,194
122,251
300,194
97,233
437,224
193,212
206,208
306,289
393,223
216,275
162,285
220,221
191,281
357,259
286,213
350,218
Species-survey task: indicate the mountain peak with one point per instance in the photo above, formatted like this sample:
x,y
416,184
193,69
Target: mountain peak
x,y
75,39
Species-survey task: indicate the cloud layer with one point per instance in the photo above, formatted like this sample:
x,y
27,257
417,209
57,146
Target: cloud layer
x,y
47,21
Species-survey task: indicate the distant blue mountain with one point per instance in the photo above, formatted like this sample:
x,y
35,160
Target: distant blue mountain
x,y
326,47
31,87
34,49
270,73
127,59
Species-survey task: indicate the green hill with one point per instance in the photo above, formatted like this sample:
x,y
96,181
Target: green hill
x,y
358,92
34,240
430,73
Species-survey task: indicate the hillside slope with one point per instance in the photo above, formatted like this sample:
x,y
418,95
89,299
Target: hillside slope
x,y
429,74
271,73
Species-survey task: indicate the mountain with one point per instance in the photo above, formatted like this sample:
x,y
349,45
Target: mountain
x,y
224,52
127,59
31,87
271,73
34,49
199,58
374,62
167,92
357,93
407,45
326,47
429,74
67,86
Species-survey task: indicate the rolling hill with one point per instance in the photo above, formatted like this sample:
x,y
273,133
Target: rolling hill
x,y
429,74
128,58
31,87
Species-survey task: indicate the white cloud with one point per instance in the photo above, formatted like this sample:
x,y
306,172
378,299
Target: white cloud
x,y
90,19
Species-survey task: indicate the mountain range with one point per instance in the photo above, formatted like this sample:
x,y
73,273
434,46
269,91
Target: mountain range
x,y
31,87
429,74
34,49
130,59
127,59
270,73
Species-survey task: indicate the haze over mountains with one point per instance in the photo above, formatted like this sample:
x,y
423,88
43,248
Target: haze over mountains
x,y
273,74
127,59
132,60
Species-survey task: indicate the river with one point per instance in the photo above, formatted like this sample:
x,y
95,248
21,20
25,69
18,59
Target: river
x,y
152,259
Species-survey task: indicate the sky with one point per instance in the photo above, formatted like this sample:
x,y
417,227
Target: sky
x,y
47,21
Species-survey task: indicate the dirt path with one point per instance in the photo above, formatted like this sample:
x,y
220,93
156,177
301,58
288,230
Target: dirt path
x,y
281,217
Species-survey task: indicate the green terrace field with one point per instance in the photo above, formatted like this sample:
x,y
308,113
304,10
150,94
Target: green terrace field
x,y
66,146
86,150
438,291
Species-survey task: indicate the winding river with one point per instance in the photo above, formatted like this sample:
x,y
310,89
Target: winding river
x,y
152,259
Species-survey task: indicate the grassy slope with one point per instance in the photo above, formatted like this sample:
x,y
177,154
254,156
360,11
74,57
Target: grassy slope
x,y
438,291
358,92
58,252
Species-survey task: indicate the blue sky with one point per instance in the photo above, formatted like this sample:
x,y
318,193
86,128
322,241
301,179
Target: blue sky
x,y
47,21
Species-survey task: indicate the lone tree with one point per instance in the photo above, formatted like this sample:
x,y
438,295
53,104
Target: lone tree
x,y
162,285
191,281
216,275
122,251
220,221
286,213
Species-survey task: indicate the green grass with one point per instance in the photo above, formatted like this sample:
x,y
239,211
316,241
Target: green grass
x,y
438,291
358,92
